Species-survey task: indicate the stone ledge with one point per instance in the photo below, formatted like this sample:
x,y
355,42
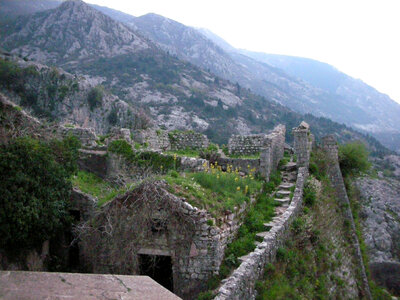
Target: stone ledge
x,y
44,285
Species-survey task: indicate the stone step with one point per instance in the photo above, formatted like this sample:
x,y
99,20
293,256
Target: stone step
x,y
285,186
282,200
269,225
282,193
260,236
290,166
243,258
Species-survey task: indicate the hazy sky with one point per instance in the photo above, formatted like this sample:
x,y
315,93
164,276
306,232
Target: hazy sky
x,y
358,37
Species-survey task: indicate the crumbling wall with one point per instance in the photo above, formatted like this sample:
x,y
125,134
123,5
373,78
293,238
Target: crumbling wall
x,y
329,145
84,203
156,139
86,136
242,165
271,148
150,220
246,144
241,284
303,141
181,140
272,151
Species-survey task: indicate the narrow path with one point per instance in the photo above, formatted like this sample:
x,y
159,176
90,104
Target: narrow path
x,y
282,195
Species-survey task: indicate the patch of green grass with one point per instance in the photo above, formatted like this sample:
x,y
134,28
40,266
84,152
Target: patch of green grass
x,y
91,184
214,190
147,159
246,156
185,152
259,214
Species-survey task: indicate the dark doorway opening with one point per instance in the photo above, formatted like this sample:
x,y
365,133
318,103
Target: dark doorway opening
x,y
158,268
73,250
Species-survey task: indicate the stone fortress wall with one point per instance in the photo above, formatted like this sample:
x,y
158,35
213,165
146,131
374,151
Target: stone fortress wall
x,y
330,146
181,140
158,139
246,144
241,284
271,148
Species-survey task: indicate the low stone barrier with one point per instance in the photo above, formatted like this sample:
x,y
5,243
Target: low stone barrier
x,y
241,284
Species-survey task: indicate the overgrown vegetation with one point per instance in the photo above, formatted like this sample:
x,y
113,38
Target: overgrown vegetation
x,y
146,159
353,158
245,241
307,264
35,190
91,184
213,189
95,96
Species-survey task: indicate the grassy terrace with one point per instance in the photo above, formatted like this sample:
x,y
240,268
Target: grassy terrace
x,y
245,242
214,190
97,187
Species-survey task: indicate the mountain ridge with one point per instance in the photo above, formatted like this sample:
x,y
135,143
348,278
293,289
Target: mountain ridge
x,y
177,94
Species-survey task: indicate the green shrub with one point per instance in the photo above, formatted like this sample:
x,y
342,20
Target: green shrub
x,y
353,158
113,116
309,194
121,147
95,96
276,178
35,190
205,296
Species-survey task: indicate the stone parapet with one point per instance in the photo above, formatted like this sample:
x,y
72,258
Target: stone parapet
x,y
330,146
86,136
181,140
302,143
241,284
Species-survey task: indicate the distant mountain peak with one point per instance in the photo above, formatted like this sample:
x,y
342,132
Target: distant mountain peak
x,y
71,32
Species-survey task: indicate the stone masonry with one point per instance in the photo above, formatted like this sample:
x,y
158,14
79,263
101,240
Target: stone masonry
x,y
241,284
302,143
193,239
330,146
161,140
86,136
272,151
271,148
246,144
181,140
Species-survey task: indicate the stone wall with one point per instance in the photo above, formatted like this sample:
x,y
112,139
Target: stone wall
x,y
243,165
156,139
86,136
271,148
241,284
117,133
246,144
161,140
302,143
181,140
272,151
84,203
193,239
329,145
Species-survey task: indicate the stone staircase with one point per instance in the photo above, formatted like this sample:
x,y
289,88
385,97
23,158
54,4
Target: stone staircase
x,y
282,196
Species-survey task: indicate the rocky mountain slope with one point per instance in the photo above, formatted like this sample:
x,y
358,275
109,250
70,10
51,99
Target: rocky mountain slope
x,y
368,109
304,85
301,84
53,94
175,93
10,9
